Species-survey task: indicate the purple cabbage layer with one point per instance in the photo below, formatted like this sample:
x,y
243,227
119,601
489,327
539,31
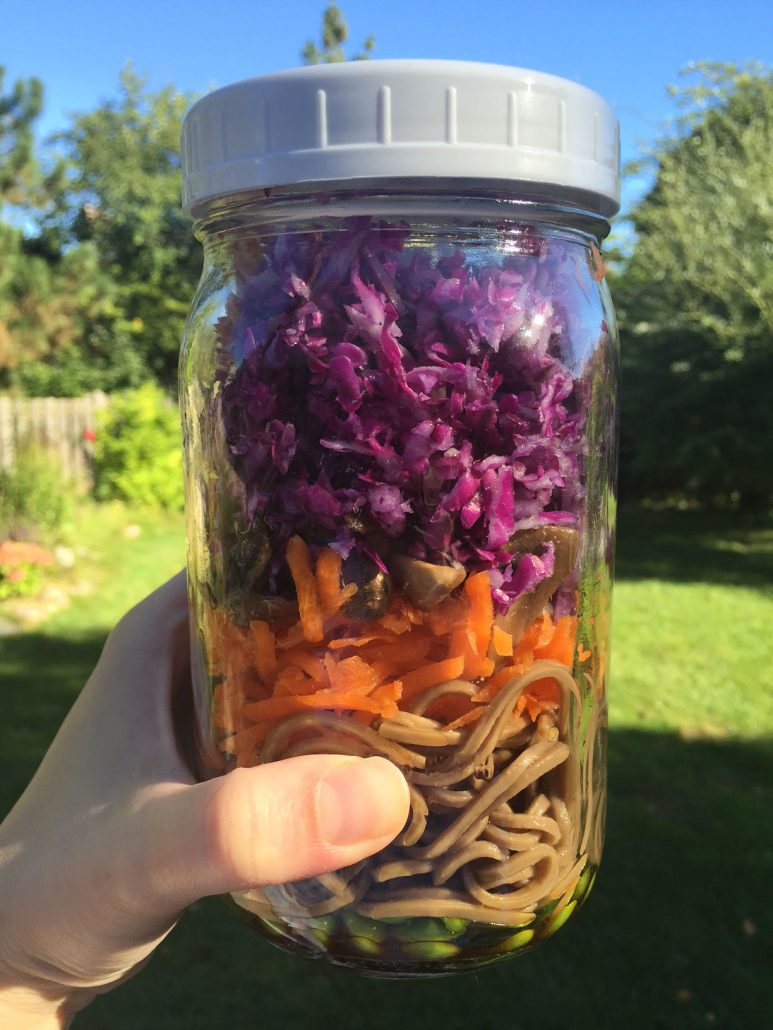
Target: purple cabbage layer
x,y
368,384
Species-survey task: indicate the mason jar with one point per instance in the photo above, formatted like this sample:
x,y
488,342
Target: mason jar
x,y
398,387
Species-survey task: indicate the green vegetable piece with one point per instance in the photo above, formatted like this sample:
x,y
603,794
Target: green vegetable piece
x,y
432,951
368,929
365,945
423,930
325,924
320,937
518,940
585,883
557,921
273,928
455,927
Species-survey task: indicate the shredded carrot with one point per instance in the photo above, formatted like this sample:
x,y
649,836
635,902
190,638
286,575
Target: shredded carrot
x,y
290,637
264,643
299,560
410,653
293,681
561,645
332,596
481,618
387,695
341,642
223,637
351,675
397,623
280,707
431,675
498,681
319,663
449,707
502,641
540,696
448,614
464,720
311,664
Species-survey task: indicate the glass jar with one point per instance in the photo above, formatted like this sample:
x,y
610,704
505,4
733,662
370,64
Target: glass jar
x,y
399,410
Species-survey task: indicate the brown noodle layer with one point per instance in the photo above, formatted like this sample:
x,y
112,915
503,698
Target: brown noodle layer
x,y
495,810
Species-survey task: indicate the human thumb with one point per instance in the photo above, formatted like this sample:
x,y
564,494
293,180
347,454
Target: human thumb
x,y
270,824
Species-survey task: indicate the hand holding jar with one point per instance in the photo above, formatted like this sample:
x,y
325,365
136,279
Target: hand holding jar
x,y
113,839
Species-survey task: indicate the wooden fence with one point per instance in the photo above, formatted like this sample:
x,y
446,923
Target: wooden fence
x,y
61,425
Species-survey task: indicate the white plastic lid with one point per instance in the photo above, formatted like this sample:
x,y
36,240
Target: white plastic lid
x,y
402,120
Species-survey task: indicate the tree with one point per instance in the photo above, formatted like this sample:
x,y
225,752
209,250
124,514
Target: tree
x,y
19,109
696,301
335,32
123,197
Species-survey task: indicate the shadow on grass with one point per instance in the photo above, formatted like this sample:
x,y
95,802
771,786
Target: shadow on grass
x,y
676,936
677,933
695,547
42,675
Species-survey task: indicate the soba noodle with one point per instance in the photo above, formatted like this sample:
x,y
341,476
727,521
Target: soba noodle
x,y
495,810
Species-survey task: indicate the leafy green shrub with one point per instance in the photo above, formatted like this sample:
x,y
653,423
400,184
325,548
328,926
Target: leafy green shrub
x,y
34,501
138,450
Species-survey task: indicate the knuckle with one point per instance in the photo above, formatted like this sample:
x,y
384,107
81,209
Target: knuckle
x,y
230,826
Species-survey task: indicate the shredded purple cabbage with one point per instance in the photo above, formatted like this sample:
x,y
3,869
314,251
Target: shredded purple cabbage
x,y
367,387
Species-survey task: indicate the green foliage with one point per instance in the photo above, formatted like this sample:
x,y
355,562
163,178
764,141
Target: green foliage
x,y
696,301
61,331
102,361
34,502
19,109
138,450
123,197
335,32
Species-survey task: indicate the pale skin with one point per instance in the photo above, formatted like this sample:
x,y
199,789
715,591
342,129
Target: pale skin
x,y
113,838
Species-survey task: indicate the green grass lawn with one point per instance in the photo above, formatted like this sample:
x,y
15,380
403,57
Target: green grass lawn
x,y
679,931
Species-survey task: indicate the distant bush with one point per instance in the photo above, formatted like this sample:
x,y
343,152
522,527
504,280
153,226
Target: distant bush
x,y
138,450
35,503
21,566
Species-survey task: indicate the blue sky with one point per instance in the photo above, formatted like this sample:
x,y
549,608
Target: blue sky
x,y
627,51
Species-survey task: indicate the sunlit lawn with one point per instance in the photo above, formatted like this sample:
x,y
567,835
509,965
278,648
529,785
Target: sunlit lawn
x,y
678,933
